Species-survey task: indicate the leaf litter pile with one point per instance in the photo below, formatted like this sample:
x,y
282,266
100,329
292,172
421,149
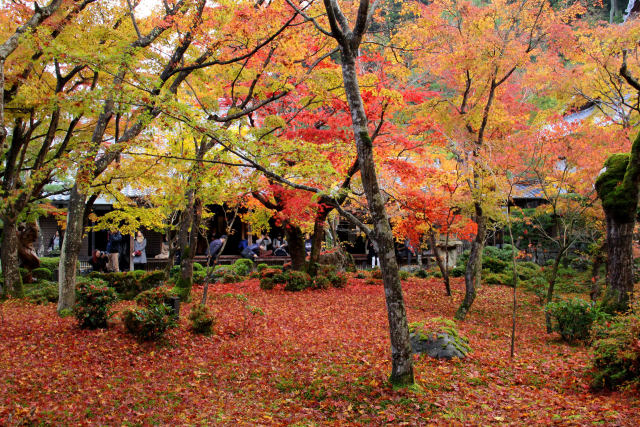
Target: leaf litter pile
x,y
311,358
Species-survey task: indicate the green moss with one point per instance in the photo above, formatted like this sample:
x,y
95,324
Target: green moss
x,y
183,289
617,186
617,200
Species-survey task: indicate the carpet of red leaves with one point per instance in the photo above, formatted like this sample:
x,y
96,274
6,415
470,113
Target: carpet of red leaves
x,y
314,358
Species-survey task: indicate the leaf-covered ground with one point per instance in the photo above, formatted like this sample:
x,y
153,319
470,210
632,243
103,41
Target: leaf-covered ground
x,y
314,358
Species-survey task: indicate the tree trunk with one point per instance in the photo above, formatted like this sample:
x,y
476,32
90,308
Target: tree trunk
x,y
620,273
12,286
187,239
318,234
552,285
401,354
442,264
295,242
70,249
473,271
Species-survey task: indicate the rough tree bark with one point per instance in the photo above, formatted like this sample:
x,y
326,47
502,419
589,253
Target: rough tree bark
x,y
443,265
12,286
617,188
474,265
349,41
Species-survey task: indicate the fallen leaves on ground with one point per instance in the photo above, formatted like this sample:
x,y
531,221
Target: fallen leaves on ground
x,y
314,357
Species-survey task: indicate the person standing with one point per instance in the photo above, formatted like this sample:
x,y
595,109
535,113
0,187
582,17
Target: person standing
x,y
113,248
214,249
54,243
140,252
373,253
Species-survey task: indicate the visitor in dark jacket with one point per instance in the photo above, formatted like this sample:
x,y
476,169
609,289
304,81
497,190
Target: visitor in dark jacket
x,y
214,249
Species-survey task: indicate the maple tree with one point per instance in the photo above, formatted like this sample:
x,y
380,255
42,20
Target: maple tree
x,y
610,82
43,90
487,53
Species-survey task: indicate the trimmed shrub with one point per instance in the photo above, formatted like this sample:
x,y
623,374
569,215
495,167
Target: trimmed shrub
x,y
93,300
321,282
261,267
338,280
243,266
202,320
297,281
149,323
376,273
404,275
360,275
574,318
42,274
50,263
231,277
161,295
279,278
41,292
267,283
494,265
269,272
616,350
197,267
199,277
130,284
458,270
422,274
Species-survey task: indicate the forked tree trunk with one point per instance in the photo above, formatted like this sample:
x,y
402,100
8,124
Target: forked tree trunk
x,y
442,264
472,275
620,272
70,249
12,286
318,238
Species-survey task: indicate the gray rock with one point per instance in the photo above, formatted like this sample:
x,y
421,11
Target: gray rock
x,y
439,346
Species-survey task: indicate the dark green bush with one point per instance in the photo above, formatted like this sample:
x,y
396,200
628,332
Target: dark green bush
x,y
42,274
243,266
41,292
50,263
458,270
199,277
321,282
616,350
573,318
360,275
149,323
261,267
267,283
422,274
279,278
93,300
338,280
231,277
202,320
297,281
494,265
376,273
155,296
496,278
130,284
404,275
